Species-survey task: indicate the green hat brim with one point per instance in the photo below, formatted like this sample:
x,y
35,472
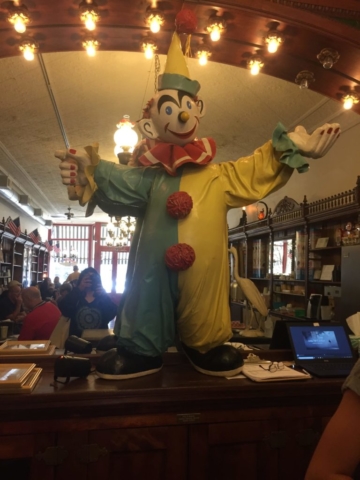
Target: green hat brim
x,y
174,81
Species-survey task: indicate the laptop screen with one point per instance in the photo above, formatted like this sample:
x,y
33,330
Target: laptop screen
x,y
320,342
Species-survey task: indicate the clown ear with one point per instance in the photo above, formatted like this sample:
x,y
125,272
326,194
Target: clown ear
x,y
147,128
201,106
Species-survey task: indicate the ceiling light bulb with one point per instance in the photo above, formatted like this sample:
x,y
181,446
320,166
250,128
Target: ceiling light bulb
x,y
273,45
215,33
91,46
255,64
149,50
19,17
89,14
215,27
154,19
155,24
28,49
255,68
90,50
149,53
203,56
203,59
90,22
274,39
19,25
348,103
349,100
28,53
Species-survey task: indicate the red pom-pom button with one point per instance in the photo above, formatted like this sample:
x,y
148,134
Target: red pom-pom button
x,y
179,205
179,257
186,21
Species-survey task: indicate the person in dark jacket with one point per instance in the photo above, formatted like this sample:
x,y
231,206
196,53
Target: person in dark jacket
x,y
88,305
46,289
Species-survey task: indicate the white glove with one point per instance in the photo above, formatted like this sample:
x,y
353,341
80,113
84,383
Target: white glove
x,y
318,143
73,166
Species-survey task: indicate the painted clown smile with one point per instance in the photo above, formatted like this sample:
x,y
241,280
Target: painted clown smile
x,y
182,135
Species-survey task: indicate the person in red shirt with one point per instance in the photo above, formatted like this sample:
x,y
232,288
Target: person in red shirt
x,y
42,316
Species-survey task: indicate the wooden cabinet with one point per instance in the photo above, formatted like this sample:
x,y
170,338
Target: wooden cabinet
x,y
21,260
6,257
18,259
297,249
39,262
174,425
158,453
233,450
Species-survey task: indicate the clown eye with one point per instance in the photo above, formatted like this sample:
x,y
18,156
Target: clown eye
x,y
188,104
168,110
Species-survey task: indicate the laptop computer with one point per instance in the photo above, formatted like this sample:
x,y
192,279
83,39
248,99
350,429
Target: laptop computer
x,y
280,339
322,350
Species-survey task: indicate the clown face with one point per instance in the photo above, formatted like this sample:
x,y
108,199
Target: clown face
x,y
174,117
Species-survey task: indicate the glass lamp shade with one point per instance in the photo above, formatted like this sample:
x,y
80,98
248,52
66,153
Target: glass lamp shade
x,y
125,137
215,34
28,54
19,25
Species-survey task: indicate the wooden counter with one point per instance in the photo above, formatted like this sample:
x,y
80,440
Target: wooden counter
x,y
176,424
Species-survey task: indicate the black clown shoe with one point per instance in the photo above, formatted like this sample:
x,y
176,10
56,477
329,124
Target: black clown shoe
x,y
119,364
221,361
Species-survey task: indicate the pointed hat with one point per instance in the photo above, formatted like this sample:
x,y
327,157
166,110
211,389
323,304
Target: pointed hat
x,y
176,73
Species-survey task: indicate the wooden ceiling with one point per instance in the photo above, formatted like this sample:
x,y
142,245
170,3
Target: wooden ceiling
x,y
308,27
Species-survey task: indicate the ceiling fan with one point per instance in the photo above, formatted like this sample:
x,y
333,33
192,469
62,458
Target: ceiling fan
x,y
69,215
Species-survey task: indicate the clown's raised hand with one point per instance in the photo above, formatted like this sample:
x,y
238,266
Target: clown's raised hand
x,y
72,167
318,143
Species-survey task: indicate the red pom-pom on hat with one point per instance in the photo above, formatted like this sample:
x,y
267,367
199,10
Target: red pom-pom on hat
x,y
179,257
186,21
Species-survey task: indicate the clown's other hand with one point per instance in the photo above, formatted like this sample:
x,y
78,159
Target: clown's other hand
x,y
318,143
72,167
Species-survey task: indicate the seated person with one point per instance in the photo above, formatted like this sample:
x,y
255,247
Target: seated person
x,y
11,303
46,289
61,293
41,318
338,452
87,305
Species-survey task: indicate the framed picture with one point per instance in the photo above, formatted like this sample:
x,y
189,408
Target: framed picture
x,y
25,347
322,242
14,374
327,272
28,384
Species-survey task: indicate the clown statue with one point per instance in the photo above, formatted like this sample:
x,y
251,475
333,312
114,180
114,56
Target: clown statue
x,y
178,280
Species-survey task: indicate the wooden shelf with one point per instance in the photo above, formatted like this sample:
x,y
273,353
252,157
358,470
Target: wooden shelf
x,y
326,282
289,293
277,280
262,279
324,249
